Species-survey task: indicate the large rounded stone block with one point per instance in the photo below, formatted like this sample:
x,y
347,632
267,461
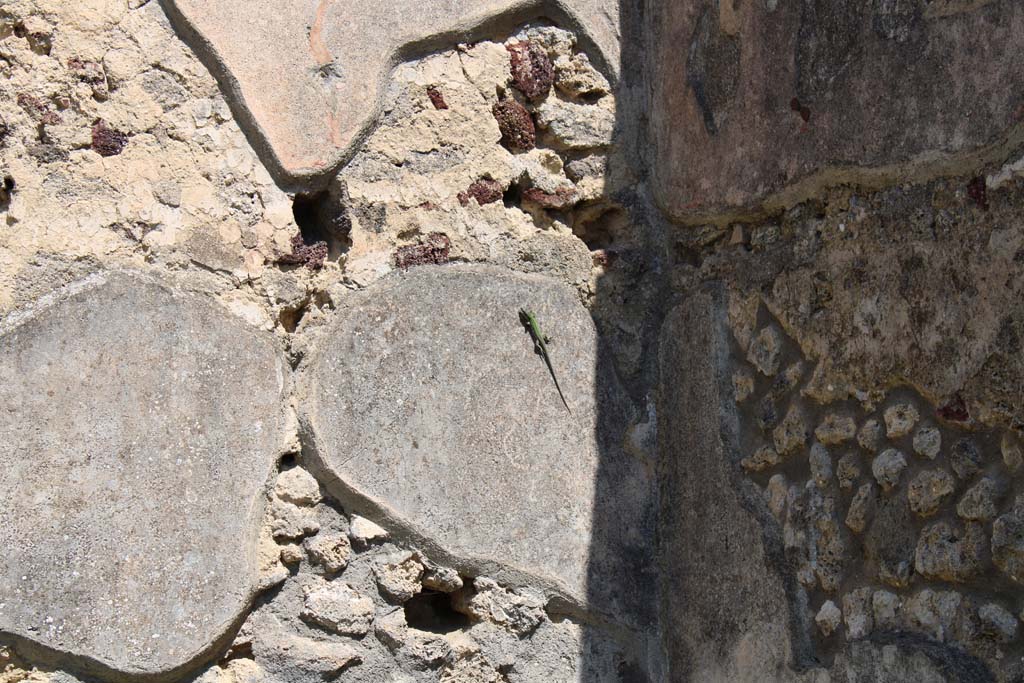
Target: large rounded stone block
x,y
309,73
138,429
426,404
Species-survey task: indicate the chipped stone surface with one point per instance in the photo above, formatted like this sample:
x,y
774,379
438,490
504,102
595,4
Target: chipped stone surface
x,y
980,502
330,551
928,489
848,470
336,606
573,125
1008,541
467,464
283,653
130,533
885,606
858,612
835,429
791,434
965,458
869,436
927,442
900,419
364,531
861,507
764,351
829,618
951,553
1012,451
297,486
887,468
289,521
331,61
996,620
398,576
934,613
761,459
519,611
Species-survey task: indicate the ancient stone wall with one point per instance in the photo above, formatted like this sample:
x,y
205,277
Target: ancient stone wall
x,y
269,411
860,211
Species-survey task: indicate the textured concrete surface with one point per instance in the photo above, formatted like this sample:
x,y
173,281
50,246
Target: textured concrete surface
x,y
309,74
752,98
732,608
140,427
425,403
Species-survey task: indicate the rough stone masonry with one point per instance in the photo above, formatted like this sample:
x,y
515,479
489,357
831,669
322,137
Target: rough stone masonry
x,y
268,414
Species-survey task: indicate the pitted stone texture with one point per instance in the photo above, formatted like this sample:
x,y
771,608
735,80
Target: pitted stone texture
x,y
426,404
752,98
310,73
140,428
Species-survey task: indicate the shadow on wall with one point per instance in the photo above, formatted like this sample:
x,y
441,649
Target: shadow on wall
x,y
627,305
727,598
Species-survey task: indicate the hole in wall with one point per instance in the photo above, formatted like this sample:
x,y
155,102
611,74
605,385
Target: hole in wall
x,y
433,612
322,217
513,196
291,317
6,191
599,230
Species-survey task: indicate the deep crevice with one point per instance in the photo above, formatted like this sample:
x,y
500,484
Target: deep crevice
x,y
433,612
322,218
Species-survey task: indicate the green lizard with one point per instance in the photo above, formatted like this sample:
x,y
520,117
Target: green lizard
x,y
540,345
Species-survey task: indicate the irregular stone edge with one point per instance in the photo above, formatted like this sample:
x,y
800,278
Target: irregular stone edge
x,y
295,179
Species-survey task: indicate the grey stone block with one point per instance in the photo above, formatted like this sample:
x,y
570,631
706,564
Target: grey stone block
x,y
138,429
426,408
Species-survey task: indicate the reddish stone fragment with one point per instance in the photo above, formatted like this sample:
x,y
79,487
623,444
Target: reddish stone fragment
x,y
484,191
563,198
107,141
518,132
310,255
977,191
434,250
90,72
436,98
955,410
532,70
38,109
